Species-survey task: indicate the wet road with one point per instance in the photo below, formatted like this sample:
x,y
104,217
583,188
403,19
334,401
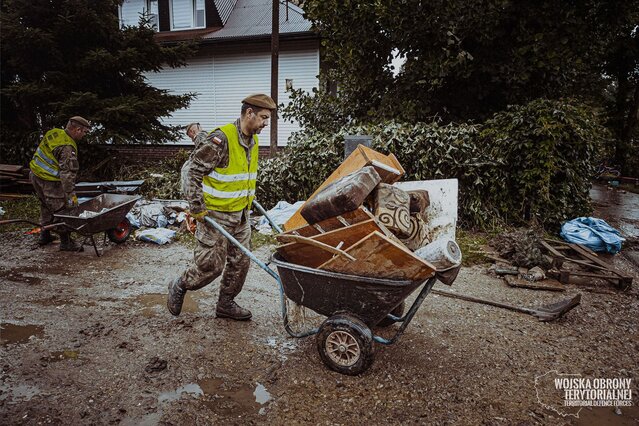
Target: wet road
x,y
619,208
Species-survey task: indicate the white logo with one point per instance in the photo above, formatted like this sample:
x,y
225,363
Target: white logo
x,y
567,394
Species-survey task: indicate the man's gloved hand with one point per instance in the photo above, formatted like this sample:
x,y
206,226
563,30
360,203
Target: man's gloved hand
x,y
73,200
199,216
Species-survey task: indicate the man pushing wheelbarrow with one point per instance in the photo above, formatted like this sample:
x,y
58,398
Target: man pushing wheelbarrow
x,y
221,184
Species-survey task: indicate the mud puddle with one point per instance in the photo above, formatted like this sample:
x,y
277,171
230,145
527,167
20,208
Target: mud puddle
x,y
155,303
17,392
14,333
17,275
237,402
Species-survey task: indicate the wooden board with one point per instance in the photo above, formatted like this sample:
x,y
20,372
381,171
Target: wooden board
x,y
307,255
11,168
380,257
330,224
362,156
547,284
562,253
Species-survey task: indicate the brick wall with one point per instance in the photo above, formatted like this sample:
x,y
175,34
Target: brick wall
x,y
149,153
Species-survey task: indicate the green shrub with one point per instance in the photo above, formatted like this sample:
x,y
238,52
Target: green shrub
x,y
531,163
550,150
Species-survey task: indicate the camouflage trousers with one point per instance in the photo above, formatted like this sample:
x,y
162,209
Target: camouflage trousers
x,y
51,196
214,254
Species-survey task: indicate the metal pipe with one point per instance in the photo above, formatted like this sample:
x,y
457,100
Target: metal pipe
x,y
260,209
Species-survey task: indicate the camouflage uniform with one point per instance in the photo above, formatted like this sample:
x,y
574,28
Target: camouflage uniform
x,y
214,250
54,195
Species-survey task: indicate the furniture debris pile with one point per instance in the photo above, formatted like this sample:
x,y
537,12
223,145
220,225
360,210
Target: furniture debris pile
x,y
361,222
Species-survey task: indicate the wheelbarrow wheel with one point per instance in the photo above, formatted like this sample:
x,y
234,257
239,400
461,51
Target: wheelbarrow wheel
x,y
121,232
398,311
345,344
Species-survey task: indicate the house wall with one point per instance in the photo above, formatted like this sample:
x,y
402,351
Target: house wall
x,y
222,80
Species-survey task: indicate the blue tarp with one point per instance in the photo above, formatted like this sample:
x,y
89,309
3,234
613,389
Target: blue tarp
x,y
593,233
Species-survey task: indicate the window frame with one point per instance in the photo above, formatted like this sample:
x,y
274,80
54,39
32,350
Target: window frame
x,y
193,5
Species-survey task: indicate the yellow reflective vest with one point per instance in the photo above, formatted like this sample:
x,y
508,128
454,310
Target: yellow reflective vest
x,y
44,164
232,189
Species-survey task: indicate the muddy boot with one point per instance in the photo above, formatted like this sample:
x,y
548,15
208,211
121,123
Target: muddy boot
x,y
45,238
229,309
67,243
176,297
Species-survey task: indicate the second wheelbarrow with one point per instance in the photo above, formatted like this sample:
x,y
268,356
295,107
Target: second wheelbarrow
x,y
104,213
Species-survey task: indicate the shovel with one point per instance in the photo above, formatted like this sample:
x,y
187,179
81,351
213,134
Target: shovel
x,y
548,312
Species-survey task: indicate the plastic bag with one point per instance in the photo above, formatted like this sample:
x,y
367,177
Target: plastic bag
x,y
593,233
155,235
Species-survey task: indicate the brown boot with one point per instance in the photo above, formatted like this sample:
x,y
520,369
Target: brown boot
x,y
176,297
67,243
229,309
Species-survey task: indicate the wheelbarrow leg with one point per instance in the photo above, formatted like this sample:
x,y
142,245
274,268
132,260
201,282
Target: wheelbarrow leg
x,y
411,313
95,247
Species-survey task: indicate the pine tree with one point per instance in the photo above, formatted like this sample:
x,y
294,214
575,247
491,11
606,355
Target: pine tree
x,y
70,57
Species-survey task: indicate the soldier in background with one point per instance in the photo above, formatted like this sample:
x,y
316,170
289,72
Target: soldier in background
x,y
54,168
221,184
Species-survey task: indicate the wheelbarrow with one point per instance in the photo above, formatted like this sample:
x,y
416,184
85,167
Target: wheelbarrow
x,y
353,305
104,213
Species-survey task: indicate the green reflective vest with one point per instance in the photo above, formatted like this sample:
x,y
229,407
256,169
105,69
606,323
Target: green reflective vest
x,y
44,164
232,189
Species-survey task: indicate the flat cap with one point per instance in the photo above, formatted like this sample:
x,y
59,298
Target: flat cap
x,y
80,120
260,100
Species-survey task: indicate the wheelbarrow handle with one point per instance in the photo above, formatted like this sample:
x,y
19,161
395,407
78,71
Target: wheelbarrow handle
x,y
315,243
261,209
45,227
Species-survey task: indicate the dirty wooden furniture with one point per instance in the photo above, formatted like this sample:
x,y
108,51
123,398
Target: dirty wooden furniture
x,y
563,254
386,166
305,253
378,256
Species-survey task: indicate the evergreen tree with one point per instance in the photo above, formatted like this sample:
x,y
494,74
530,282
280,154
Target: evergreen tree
x,y
70,57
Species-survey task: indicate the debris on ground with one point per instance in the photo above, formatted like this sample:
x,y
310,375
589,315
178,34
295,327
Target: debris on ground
x,y
593,233
570,261
521,247
155,235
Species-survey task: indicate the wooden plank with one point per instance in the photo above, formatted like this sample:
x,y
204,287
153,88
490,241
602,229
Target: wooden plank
x,y
547,284
11,168
380,257
308,255
360,157
330,224
551,249
597,260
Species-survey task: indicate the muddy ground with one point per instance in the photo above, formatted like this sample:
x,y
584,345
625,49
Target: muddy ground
x,y
88,340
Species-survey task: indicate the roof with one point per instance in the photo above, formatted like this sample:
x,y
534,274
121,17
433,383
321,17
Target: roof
x,y
252,18
224,9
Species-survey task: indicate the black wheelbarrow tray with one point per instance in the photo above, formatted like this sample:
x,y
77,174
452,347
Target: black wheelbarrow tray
x,y
107,213
353,304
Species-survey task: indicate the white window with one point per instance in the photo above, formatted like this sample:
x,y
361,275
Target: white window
x,y
152,13
187,14
130,12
